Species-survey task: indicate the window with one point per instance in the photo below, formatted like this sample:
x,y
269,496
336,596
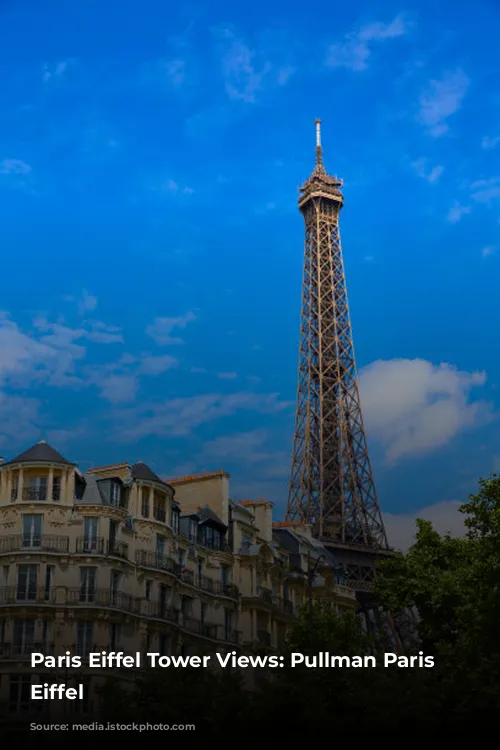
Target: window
x,y
159,512
193,530
165,592
182,559
45,630
200,567
90,529
114,636
115,494
228,623
113,530
145,505
84,632
114,585
175,520
36,489
49,572
14,490
20,693
160,546
164,645
203,612
6,569
56,489
208,536
32,531
26,582
186,606
24,636
147,594
87,584
246,542
224,575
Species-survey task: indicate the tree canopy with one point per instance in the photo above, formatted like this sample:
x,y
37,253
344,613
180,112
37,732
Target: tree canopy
x,y
454,584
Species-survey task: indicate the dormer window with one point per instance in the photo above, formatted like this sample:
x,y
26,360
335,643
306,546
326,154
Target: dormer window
x,y
115,494
175,520
193,531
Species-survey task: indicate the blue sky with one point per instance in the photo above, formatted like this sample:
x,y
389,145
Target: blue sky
x,y
152,248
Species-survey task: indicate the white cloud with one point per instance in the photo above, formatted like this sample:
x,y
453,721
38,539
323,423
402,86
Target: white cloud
x,y
171,186
20,419
51,72
157,365
414,406
117,388
442,99
489,142
227,375
87,303
431,174
445,517
456,212
180,416
48,358
14,167
487,251
248,71
161,328
484,191
354,51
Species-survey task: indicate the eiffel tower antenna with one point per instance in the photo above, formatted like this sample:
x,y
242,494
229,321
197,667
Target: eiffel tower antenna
x,y
331,484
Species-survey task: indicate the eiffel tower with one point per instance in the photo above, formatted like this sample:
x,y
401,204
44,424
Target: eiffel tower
x,y
331,484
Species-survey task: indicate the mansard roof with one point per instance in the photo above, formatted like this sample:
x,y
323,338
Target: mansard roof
x,y
140,470
41,452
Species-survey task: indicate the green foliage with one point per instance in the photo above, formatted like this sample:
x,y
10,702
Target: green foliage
x,y
455,586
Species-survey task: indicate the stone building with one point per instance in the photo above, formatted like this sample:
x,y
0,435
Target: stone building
x,y
119,559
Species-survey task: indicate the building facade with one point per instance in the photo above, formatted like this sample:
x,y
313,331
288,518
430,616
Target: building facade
x,y
118,559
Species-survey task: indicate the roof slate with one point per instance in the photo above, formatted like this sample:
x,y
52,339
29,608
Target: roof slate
x,y
40,452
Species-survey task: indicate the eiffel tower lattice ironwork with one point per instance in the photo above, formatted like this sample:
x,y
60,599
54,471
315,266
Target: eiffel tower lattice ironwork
x,y
331,485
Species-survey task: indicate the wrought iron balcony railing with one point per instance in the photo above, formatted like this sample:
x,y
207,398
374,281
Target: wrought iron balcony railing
x,y
101,546
217,587
156,560
26,594
266,595
25,648
30,542
161,611
284,604
91,597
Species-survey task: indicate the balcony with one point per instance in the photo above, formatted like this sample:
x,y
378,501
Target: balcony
x,y
217,587
101,546
209,630
285,605
156,560
265,595
88,597
161,611
16,650
159,514
26,595
27,543
198,627
187,576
